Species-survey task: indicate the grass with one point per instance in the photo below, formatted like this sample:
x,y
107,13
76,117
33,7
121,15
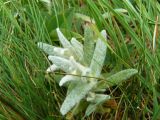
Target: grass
x,y
27,92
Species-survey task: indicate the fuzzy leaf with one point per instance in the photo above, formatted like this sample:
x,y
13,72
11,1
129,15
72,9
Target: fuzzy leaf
x,y
79,67
78,48
71,86
66,44
63,39
99,56
62,63
74,97
68,78
49,49
52,50
63,52
52,68
88,45
91,108
121,76
79,108
100,98
118,78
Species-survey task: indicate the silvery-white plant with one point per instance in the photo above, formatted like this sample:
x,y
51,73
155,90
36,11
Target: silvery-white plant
x,y
83,66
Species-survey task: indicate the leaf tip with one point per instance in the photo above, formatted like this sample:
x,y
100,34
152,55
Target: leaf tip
x,y
62,111
40,44
58,30
50,57
134,71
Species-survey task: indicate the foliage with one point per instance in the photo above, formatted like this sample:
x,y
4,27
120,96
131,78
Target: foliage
x,y
82,73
